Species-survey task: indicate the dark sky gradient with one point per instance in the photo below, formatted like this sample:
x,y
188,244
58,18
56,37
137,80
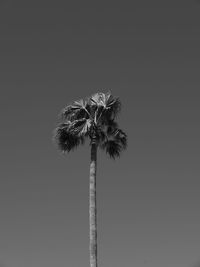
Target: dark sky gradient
x,y
147,53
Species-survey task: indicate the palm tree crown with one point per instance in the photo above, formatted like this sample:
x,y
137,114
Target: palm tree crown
x,y
93,118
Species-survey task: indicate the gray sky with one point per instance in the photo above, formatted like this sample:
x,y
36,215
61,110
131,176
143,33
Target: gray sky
x,y
147,53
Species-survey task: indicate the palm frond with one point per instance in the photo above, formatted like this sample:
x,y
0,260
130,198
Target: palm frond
x,y
111,127
113,107
115,142
65,140
112,148
80,127
98,99
77,110
121,138
104,107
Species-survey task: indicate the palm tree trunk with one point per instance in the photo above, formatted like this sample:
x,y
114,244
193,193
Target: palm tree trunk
x,y
92,206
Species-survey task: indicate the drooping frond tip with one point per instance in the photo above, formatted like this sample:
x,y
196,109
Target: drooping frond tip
x,y
115,143
65,140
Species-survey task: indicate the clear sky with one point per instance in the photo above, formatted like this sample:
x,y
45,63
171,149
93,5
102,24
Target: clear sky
x,y
147,53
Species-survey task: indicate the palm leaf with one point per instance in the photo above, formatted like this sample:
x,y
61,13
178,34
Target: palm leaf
x,y
115,141
80,127
111,127
113,107
77,110
121,138
112,148
104,107
65,140
98,99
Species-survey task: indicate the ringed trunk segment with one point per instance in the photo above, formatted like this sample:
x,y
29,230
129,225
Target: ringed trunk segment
x,y
92,206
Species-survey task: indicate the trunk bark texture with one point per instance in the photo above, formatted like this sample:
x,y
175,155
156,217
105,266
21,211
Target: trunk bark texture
x,y
92,206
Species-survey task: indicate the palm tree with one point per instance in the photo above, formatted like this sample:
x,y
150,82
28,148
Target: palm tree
x,y
93,118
